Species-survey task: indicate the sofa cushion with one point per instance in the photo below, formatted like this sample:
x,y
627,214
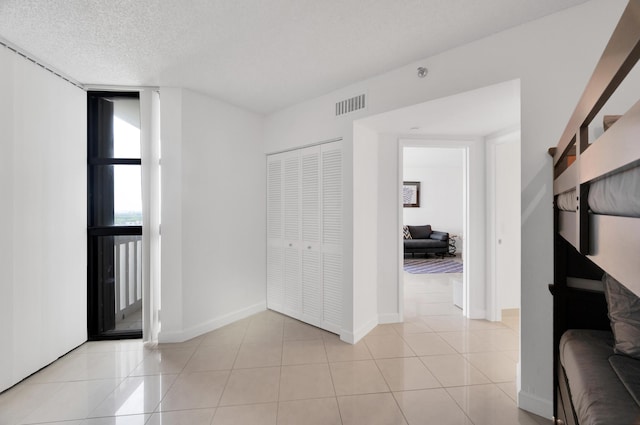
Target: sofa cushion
x,y
624,313
424,243
406,232
420,232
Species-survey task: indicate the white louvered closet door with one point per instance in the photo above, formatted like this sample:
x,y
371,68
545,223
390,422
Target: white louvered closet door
x,y
304,231
312,297
275,234
292,254
332,236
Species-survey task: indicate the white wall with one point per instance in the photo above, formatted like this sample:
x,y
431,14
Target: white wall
x,y
389,250
365,207
440,190
43,256
213,214
553,57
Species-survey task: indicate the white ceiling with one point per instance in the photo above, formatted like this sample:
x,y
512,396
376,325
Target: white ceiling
x,y
475,113
259,54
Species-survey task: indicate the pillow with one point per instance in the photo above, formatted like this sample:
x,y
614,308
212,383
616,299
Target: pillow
x,y
420,232
624,314
406,232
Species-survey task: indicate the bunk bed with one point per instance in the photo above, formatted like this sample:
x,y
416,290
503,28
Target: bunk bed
x,y
597,248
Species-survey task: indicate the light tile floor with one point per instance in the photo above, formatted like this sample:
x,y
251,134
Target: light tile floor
x,y
436,368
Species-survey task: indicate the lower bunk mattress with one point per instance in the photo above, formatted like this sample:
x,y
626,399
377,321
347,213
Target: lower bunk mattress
x,y
604,386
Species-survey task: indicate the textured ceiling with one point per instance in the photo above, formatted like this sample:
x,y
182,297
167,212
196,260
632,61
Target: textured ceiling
x,y
259,54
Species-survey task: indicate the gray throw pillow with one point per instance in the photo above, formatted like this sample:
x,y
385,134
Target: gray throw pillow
x,y
624,314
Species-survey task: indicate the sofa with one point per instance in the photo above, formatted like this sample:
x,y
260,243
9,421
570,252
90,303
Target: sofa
x,y
422,239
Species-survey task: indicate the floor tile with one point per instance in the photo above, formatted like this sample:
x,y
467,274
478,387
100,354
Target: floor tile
x,y
430,407
306,381
254,414
509,389
473,341
488,405
446,323
117,420
55,423
340,351
370,409
411,328
437,309
250,386
294,330
388,346
91,365
195,390
183,417
20,401
428,344
454,370
213,357
303,352
73,400
407,373
135,395
110,346
164,361
495,365
359,377
253,355
226,377
386,329
264,333
322,411
228,335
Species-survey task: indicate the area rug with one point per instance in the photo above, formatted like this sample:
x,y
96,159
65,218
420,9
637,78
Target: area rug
x,y
431,265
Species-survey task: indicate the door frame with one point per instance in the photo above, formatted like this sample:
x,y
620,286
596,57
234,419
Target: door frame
x,y
494,311
442,143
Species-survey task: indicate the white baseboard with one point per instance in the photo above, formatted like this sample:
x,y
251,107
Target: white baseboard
x,y
211,325
389,318
358,334
534,404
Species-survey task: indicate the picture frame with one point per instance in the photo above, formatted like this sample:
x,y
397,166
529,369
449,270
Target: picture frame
x,y
411,194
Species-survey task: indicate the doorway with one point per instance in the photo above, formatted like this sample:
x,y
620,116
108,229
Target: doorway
x,y
441,169
114,216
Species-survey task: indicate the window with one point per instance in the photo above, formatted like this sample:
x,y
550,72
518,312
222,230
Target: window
x,y
114,209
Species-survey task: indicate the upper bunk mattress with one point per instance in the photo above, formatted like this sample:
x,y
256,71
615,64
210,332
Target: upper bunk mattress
x,y
618,194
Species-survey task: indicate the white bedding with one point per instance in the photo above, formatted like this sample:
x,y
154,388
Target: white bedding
x,y
618,194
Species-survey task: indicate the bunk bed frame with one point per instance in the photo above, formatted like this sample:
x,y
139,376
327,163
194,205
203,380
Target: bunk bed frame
x,y
586,245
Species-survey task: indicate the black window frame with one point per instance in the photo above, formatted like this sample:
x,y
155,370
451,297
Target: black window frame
x,y
97,307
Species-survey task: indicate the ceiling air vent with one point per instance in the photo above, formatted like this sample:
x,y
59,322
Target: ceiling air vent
x,y
352,104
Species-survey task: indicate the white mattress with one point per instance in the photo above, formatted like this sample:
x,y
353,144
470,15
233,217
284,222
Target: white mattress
x,y
618,194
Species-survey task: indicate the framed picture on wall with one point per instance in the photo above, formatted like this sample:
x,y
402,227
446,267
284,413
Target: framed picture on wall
x,y
411,194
